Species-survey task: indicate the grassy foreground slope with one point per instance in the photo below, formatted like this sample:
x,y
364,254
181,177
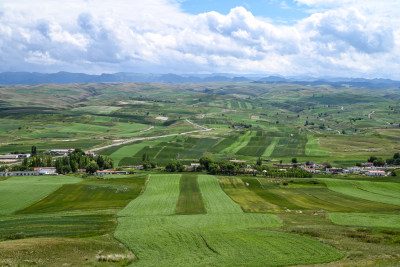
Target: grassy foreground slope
x,y
388,193
19,192
225,236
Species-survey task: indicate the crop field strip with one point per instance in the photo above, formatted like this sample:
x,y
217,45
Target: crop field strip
x,y
373,220
271,147
240,143
224,143
256,145
57,226
248,200
90,195
292,145
305,195
388,193
190,200
224,236
19,192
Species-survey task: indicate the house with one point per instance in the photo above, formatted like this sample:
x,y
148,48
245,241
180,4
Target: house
x,y
23,156
90,154
283,166
8,157
368,164
375,173
105,172
334,170
60,151
139,167
312,170
19,173
193,166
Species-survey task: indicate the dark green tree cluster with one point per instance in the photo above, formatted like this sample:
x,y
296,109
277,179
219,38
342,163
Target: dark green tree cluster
x,y
395,160
292,172
147,163
378,162
175,166
38,161
220,167
79,160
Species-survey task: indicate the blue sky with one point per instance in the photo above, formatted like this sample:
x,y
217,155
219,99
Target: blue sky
x,y
281,11
346,38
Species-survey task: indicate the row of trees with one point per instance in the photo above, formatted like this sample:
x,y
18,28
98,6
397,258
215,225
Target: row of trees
x,y
234,168
379,162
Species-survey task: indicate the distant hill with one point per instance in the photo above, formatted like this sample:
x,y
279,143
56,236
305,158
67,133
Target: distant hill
x,y
28,78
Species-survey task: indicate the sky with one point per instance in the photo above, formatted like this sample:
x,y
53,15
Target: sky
x,y
316,38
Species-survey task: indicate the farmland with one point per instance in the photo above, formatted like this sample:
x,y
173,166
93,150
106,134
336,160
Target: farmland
x,y
224,236
155,218
305,122
19,192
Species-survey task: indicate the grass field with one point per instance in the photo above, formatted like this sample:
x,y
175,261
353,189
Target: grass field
x,y
381,221
248,200
90,195
19,192
224,236
388,193
190,200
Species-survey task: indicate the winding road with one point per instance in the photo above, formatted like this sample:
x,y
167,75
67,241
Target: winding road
x,y
203,129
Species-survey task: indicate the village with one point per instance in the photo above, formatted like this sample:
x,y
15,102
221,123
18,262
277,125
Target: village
x,y
11,161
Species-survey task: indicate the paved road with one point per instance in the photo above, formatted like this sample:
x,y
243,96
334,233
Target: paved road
x,y
203,129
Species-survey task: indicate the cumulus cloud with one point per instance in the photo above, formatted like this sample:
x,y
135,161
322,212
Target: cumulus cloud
x,y
348,37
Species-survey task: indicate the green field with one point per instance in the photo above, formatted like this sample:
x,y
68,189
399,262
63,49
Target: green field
x,y
223,236
382,221
388,193
90,195
190,218
190,200
19,192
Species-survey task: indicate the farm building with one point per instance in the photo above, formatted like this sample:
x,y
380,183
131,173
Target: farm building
x,y
46,170
334,170
8,157
375,173
312,170
19,173
60,151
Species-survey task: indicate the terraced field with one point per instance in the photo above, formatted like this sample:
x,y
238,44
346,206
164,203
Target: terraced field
x,y
19,192
225,236
293,145
256,146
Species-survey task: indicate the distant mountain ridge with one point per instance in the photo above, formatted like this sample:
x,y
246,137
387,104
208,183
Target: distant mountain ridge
x,y
28,78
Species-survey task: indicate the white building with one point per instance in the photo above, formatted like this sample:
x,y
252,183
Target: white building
x,y
375,173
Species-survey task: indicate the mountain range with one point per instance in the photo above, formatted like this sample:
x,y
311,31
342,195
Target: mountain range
x,y
28,78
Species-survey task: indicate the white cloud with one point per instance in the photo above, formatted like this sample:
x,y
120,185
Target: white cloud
x,y
348,37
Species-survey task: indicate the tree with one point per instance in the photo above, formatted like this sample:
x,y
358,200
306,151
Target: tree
x,y
396,155
170,167
294,160
92,167
372,159
205,161
259,161
379,162
33,150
